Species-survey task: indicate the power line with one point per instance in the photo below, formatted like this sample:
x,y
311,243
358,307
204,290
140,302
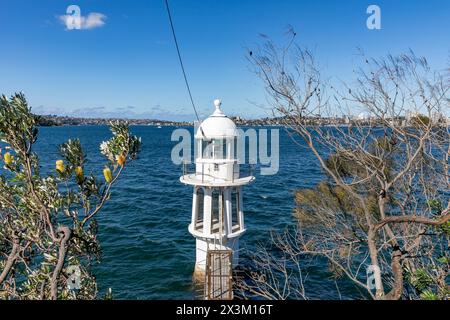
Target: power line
x,y
181,64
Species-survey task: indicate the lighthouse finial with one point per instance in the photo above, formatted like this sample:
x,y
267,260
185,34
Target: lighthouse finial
x,y
217,103
218,112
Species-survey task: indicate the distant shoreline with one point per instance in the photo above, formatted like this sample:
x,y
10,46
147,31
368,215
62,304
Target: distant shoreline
x,y
53,120
59,121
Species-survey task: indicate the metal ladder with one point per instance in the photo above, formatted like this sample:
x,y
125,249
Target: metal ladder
x,y
219,275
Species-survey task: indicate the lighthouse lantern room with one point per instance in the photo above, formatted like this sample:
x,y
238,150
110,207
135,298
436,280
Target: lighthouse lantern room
x,y
217,219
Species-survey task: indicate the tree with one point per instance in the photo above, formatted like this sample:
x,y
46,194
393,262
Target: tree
x,y
384,205
47,223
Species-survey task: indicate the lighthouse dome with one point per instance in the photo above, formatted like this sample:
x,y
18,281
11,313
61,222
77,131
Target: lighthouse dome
x,y
217,125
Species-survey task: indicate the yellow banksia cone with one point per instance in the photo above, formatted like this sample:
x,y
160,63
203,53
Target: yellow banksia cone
x,y
107,174
121,160
79,173
60,166
7,158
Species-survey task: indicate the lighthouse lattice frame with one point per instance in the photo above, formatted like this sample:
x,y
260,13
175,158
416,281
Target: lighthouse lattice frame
x,y
217,220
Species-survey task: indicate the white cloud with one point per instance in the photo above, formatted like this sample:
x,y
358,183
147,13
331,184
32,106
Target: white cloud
x,y
94,20
91,21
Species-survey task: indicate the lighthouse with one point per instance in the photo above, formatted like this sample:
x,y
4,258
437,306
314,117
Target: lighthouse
x,y
217,220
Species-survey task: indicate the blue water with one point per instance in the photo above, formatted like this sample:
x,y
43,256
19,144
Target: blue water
x,y
147,250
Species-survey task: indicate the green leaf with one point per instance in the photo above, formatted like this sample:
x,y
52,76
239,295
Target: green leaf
x,y
428,295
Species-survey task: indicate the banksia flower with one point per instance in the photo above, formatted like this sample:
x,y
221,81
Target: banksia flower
x,y
121,160
79,173
60,166
7,157
107,174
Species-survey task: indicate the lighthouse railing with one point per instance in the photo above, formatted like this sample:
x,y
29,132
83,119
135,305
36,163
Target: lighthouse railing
x,y
192,169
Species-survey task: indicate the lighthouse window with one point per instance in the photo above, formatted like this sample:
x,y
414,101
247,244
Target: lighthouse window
x,y
229,147
224,149
200,209
216,167
218,146
235,209
207,149
215,209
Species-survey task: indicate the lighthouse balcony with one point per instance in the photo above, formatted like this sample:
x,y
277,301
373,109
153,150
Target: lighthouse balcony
x,y
198,179
216,173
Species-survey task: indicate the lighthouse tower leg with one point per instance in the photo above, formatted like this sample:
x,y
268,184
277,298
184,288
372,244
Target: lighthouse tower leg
x,y
202,248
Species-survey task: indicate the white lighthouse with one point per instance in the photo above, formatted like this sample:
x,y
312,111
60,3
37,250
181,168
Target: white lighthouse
x,y
217,209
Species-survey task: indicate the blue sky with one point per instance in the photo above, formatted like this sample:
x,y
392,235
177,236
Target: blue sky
x,y
128,66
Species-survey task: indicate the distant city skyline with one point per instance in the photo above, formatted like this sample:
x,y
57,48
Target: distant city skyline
x,y
122,62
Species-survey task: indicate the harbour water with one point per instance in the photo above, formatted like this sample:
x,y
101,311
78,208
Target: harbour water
x,y
148,252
